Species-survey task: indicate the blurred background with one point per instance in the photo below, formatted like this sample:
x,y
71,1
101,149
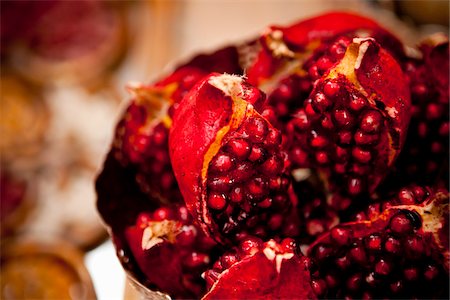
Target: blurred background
x,y
64,68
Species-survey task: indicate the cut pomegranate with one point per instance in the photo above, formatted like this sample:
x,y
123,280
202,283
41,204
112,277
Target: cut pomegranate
x,y
227,158
424,159
354,122
170,251
399,253
142,134
257,270
280,68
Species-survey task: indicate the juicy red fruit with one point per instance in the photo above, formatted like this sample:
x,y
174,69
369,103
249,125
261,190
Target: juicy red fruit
x,y
170,251
258,270
354,122
399,253
228,158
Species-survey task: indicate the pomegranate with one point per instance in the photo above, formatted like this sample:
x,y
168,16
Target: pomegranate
x,y
257,270
304,170
142,134
170,251
141,138
424,159
398,253
280,68
353,125
227,158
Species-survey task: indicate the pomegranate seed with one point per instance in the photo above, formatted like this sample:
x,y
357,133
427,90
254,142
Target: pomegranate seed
x,y
196,260
354,282
221,163
256,128
373,243
362,138
401,224
324,63
228,259
363,156
250,246
327,123
444,129
434,111
331,88
342,262
257,187
354,186
343,118
411,274
357,103
143,219
288,245
345,137
217,201
309,110
358,254
322,252
392,245
220,184
382,267
396,286
273,138
163,213
237,195
266,203
275,221
431,272
342,154
319,286
371,121
321,102
322,157
301,121
239,148
318,141
406,196
340,168
414,247
187,236
340,236
272,166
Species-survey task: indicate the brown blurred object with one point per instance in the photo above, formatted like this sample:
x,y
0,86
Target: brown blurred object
x,y
424,11
24,119
43,270
64,41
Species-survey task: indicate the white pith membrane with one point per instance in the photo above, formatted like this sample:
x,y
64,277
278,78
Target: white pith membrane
x,y
272,253
159,232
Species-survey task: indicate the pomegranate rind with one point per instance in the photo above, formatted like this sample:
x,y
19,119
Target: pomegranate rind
x,y
263,276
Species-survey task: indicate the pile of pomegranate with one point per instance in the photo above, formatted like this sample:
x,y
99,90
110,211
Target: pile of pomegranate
x,y
310,162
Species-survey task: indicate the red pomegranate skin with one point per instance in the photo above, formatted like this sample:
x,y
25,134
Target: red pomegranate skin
x,y
259,270
170,251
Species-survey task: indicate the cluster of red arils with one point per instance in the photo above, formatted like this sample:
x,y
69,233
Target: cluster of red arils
x,y
268,169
